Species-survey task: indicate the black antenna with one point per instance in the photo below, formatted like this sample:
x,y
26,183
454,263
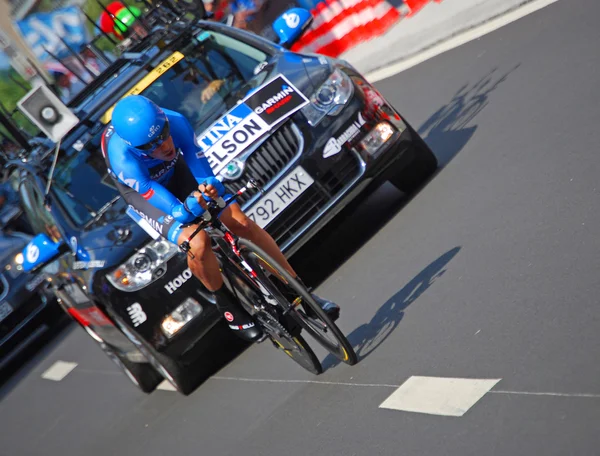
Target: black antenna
x,y
96,26
139,19
78,57
16,81
13,130
55,57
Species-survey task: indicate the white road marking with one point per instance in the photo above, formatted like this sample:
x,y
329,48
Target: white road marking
x,y
166,386
438,396
59,370
459,40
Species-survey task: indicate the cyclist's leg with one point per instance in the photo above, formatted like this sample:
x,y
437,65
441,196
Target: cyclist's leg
x,y
203,262
242,225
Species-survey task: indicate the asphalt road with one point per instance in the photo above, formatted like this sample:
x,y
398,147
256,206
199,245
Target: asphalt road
x,y
490,272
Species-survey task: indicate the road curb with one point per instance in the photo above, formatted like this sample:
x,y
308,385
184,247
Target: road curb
x,y
454,39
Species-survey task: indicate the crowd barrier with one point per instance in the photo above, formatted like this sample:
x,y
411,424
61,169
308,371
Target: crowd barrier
x,y
339,25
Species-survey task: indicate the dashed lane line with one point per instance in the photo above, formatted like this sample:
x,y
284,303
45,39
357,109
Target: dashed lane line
x,y
58,371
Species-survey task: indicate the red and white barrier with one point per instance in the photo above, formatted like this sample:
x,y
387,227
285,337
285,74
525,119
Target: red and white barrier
x,y
339,25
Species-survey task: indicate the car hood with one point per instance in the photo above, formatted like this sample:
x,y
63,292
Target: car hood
x,y
10,245
111,242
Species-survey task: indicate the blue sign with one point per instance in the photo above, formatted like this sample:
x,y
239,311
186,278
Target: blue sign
x,y
44,30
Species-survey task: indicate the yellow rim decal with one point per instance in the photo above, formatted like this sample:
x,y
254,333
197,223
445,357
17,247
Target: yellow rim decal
x,y
273,270
278,343
345,354
157,72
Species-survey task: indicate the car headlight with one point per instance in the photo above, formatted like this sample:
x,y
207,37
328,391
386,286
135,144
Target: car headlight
x,y
330,98
376,138
147,265
182,315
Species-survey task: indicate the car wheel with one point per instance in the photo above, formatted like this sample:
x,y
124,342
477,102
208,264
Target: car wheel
x,y
420,170
171,370
142,375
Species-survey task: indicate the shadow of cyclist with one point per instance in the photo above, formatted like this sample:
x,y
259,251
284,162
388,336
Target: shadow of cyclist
x,y
367,337
449,129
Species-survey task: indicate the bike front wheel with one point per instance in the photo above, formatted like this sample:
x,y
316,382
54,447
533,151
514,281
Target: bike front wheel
x,y
296,302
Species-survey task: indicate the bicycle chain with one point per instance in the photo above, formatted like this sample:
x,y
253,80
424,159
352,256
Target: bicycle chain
x,y
273,324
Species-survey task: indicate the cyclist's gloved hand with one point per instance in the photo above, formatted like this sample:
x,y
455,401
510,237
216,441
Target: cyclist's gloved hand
x,y
188,211
217,184
192,205
182,215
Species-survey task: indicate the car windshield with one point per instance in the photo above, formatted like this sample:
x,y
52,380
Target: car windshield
x,y
82,184
210,57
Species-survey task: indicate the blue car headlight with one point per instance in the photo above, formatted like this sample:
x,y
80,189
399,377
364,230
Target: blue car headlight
x,y
330,98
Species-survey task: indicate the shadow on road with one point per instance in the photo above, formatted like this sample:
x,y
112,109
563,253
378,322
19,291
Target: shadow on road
x,y
367,337
449,129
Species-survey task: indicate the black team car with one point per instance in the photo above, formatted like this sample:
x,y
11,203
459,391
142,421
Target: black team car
x,y
309,129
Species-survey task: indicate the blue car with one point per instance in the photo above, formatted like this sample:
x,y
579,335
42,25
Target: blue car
x,y
309,129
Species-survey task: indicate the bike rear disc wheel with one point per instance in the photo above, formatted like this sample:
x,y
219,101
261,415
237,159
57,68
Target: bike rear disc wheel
x,y
290,294
293,346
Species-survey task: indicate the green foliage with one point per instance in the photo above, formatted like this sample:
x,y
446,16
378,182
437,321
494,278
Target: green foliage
x,y
13,88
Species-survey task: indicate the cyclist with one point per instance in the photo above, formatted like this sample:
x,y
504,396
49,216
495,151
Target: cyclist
x,y
153,157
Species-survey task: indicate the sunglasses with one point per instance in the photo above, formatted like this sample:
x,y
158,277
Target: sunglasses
x,y
160,138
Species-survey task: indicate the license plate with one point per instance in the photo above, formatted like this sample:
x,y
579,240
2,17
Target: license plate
x,y
5,310
281,196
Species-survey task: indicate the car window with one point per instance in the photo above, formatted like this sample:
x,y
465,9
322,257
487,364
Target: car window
x,y
81,182
40,218
211,56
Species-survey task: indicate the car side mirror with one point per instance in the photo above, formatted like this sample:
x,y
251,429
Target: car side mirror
x,y
290,26
40,251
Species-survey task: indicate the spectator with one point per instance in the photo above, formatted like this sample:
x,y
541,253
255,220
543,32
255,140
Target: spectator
x,y
244,11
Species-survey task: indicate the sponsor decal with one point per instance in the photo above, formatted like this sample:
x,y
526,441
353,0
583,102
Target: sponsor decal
x,y
182,278
154,224
136,314
159,171
153,130
276,100
240,327
334,145
228,316
33,253
132,183
292,20
241,127
89,264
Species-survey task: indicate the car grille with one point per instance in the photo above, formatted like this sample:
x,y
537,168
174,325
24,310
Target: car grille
x,y
314,198
268,160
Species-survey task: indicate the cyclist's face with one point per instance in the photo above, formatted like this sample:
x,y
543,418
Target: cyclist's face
x,y
166,151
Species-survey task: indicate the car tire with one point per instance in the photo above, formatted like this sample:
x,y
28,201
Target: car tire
x,y
420,170
170,370
142,375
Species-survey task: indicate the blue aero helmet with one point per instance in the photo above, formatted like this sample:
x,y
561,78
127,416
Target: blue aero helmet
x,y
140,123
